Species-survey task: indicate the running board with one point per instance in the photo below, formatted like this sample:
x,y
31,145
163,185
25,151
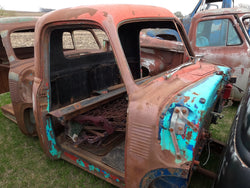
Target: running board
x,y
8,112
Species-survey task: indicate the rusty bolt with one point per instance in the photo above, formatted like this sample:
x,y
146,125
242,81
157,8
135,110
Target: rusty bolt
x,y
202,100
177,110
171,129
180,128
219,73
184,111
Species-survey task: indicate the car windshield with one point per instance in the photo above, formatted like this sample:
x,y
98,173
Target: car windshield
x,y
219,32
22,42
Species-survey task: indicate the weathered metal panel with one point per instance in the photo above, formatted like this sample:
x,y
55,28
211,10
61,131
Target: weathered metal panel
x,y
142,116
146,151
235,56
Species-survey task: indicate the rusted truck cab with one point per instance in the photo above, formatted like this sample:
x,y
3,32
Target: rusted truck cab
x,y
222,36
17,69
99,108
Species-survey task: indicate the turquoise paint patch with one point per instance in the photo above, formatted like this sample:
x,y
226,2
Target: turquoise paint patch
x,y
206,89
117,180
80,163
50,133
51,138
48,105
97,169
106,175
91,168
16,19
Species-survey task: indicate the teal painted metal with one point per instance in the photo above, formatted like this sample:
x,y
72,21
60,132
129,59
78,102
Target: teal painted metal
x,y
198,100
51,139
50,133
91,167
9,20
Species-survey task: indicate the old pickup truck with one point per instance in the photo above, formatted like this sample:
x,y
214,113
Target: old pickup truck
x,y
119,108
17,69
222,36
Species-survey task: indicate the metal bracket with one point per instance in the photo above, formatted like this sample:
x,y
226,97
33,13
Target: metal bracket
x,y
216,114
177,126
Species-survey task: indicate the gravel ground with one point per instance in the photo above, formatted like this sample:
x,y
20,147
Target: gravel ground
x,y
83,39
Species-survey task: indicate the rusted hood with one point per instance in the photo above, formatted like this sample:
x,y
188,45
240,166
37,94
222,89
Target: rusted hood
x,y
166,86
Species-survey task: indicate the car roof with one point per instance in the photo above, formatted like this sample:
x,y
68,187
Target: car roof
x,y
12,23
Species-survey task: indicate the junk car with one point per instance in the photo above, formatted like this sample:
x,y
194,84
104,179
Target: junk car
x,y
221,36
99,106
17,69
234,170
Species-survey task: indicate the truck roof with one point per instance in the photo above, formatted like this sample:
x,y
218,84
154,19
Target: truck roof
x,y
9,23
223,11
99,13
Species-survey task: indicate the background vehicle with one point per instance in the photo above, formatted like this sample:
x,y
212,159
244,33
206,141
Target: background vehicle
x,y
97,110
222,37
202,5
206,5
17,69
234,170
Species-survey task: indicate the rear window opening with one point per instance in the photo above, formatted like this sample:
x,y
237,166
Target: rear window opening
x,y
22,42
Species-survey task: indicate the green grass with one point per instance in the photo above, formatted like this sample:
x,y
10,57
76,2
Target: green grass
x,y
23,163
221,130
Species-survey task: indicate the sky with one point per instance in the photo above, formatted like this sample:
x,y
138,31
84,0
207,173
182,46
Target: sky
x,y
185,6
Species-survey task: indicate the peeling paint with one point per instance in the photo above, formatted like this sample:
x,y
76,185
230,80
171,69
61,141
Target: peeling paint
x,y
207,90
48,103
91,167
4,33
11,58
148,63
51,139
13,76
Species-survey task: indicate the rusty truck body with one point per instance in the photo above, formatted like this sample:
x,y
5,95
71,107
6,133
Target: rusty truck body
x,y
17,69
222,36
133,113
